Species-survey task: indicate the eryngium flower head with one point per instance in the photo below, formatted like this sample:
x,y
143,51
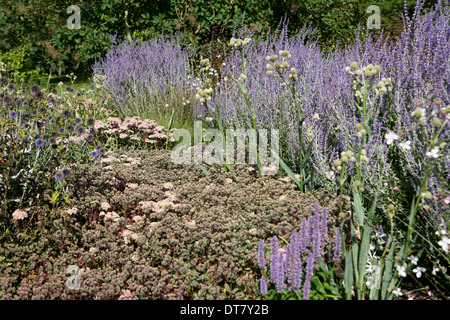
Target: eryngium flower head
x,y
66,172
90,122
70,128
11,87
54,91
35,88
4,81
39,143
7,99
77,121
39,95
66,113
94,153
69,89
13,115
80,130
59,176
52,141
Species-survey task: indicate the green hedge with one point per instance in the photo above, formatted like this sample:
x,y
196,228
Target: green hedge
x,y
39,27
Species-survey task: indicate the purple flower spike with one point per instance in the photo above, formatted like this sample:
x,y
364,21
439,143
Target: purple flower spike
x,y
261,255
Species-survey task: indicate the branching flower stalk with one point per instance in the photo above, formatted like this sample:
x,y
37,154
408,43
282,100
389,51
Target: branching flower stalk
x,y
293,77
240,44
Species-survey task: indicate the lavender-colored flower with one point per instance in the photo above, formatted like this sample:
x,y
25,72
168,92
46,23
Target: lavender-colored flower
x,y
135,70
11,87
263,285
337,255
273,259
70,128
39,143
42,109
61,130
25,103
94,153
101,151
4,81
310,261
261,255
34,112
39,95
52,141
59,176
69,89
77,121
13,115
54,91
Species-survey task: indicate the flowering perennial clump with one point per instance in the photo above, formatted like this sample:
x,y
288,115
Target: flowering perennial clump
x,y
293,268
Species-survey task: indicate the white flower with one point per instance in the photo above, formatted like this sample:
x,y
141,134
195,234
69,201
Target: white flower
x,y
418,271
401,270
444,244
330,174
413,259
433,153
405,145
390,137
435,269
316,116
397,292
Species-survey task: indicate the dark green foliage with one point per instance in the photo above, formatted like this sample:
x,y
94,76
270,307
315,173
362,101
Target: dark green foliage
x,y
39,27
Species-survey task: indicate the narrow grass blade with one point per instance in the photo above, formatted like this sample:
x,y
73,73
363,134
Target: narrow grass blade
x,y
206,172
286,168
387,271
358,206
348,274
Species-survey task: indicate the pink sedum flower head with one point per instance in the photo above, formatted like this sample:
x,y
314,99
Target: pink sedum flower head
x,y
19,214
